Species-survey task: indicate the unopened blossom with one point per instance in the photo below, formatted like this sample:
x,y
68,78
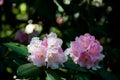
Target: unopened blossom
x,y
47,52
29,28
59,20
86,51
21,36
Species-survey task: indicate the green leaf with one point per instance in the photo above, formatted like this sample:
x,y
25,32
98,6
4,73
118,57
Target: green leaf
x,y
50,77
75,67
53,75
81,77
38,78
56,74
68,44
28,70
18,48
19,61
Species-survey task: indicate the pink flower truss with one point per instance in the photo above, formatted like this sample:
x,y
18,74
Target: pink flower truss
x,y
86,51
47,51
1,2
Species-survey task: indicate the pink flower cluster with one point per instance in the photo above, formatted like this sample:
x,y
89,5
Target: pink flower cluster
x,y
1,2
86,51
47,52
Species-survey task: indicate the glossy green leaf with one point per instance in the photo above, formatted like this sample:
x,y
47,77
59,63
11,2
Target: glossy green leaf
x,y
75,67
18,48
28,70
55,73
68,44
50,77
81,77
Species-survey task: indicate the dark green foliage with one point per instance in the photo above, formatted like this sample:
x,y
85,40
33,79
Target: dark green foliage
x,y
28,71
18,48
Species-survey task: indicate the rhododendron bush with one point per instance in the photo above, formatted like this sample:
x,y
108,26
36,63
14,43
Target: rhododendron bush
x,y
85,51
46,57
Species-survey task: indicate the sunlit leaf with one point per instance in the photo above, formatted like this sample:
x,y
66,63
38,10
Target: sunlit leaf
x,y
15,11
22,16
23,7
56,30
8,69
53,75
50,77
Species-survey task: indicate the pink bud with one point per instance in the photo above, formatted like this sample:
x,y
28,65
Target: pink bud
x,y
1,2
59,20
21,36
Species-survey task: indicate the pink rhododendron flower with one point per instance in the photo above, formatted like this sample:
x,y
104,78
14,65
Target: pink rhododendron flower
x,y
1,2
86,51
47,52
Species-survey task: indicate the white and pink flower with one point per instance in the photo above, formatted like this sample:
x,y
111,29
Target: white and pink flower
x,y
47,52
86,51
